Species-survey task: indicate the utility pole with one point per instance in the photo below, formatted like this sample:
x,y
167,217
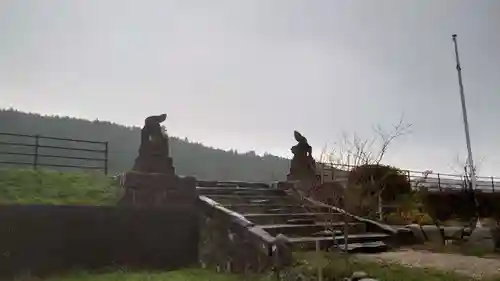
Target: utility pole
x,y
470,162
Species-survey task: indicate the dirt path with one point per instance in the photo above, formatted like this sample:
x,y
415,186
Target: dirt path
x,y
467,265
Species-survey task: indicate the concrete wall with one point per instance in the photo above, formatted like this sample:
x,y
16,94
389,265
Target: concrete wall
x,y
44,239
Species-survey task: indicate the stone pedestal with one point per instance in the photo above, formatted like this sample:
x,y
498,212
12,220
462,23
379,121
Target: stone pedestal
x,y
302,167
152,181
156,190
154,158
154,164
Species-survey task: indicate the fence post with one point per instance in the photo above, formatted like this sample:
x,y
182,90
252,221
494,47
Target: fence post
x,y
492,184
380,207
346,233
37,145
439,182
318,252
106,152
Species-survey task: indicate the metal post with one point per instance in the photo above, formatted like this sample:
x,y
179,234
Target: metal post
x,y
380,209
492,184
346,233
37,145
106,152
439,182
318,251
470,160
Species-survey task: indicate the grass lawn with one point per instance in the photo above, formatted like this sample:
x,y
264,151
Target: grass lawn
x,y
121,275
335,269
50,187
337,266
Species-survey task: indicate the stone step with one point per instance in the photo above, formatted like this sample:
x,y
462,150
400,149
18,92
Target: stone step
x,y
302,221
296,230
231,184
291,218
326,242
273,208
239,191
252,199
324,233
364,247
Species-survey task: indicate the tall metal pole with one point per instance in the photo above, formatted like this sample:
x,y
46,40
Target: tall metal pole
x,y
470,162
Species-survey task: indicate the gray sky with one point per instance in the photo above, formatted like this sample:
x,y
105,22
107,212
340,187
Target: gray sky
x,y
244,74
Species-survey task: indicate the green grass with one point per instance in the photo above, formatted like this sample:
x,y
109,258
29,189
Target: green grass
x,y
123,275
337,266
456,247
52,187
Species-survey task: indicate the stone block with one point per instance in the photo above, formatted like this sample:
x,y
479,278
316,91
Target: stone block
x,y
482,238
418,232
405,236
453,232
358,275
433,234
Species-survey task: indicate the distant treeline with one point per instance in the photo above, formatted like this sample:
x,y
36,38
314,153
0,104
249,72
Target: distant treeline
x,y
190,158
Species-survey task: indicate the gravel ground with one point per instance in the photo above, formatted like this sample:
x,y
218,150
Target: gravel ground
x,y
468,265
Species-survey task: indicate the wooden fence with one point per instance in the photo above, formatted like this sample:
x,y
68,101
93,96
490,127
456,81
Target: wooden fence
x,y
38,151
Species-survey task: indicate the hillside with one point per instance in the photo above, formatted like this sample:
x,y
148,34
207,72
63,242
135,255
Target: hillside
x,y
189,158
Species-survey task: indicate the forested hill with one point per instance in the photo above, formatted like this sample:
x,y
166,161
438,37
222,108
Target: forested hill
x,y
189,158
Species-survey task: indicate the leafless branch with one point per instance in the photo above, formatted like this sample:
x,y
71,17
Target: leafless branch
x,y
356,151
459,164
398,130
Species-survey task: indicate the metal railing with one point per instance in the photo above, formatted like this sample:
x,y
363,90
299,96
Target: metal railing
x,y
39,149
432,181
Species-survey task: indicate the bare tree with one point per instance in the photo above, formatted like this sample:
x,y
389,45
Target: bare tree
x,y
460,163
354,151
468,189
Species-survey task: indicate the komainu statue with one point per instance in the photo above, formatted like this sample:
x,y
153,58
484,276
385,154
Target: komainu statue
x,y
303,165
154,154
152,182
307,175
152,134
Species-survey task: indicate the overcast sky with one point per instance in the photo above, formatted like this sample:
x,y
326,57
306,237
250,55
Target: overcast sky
x,y
244,74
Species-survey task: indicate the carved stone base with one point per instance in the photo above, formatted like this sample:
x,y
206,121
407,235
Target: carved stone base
x,y
154,163
302,167
155,189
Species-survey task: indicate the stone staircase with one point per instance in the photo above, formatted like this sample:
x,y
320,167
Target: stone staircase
x,y
307,227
